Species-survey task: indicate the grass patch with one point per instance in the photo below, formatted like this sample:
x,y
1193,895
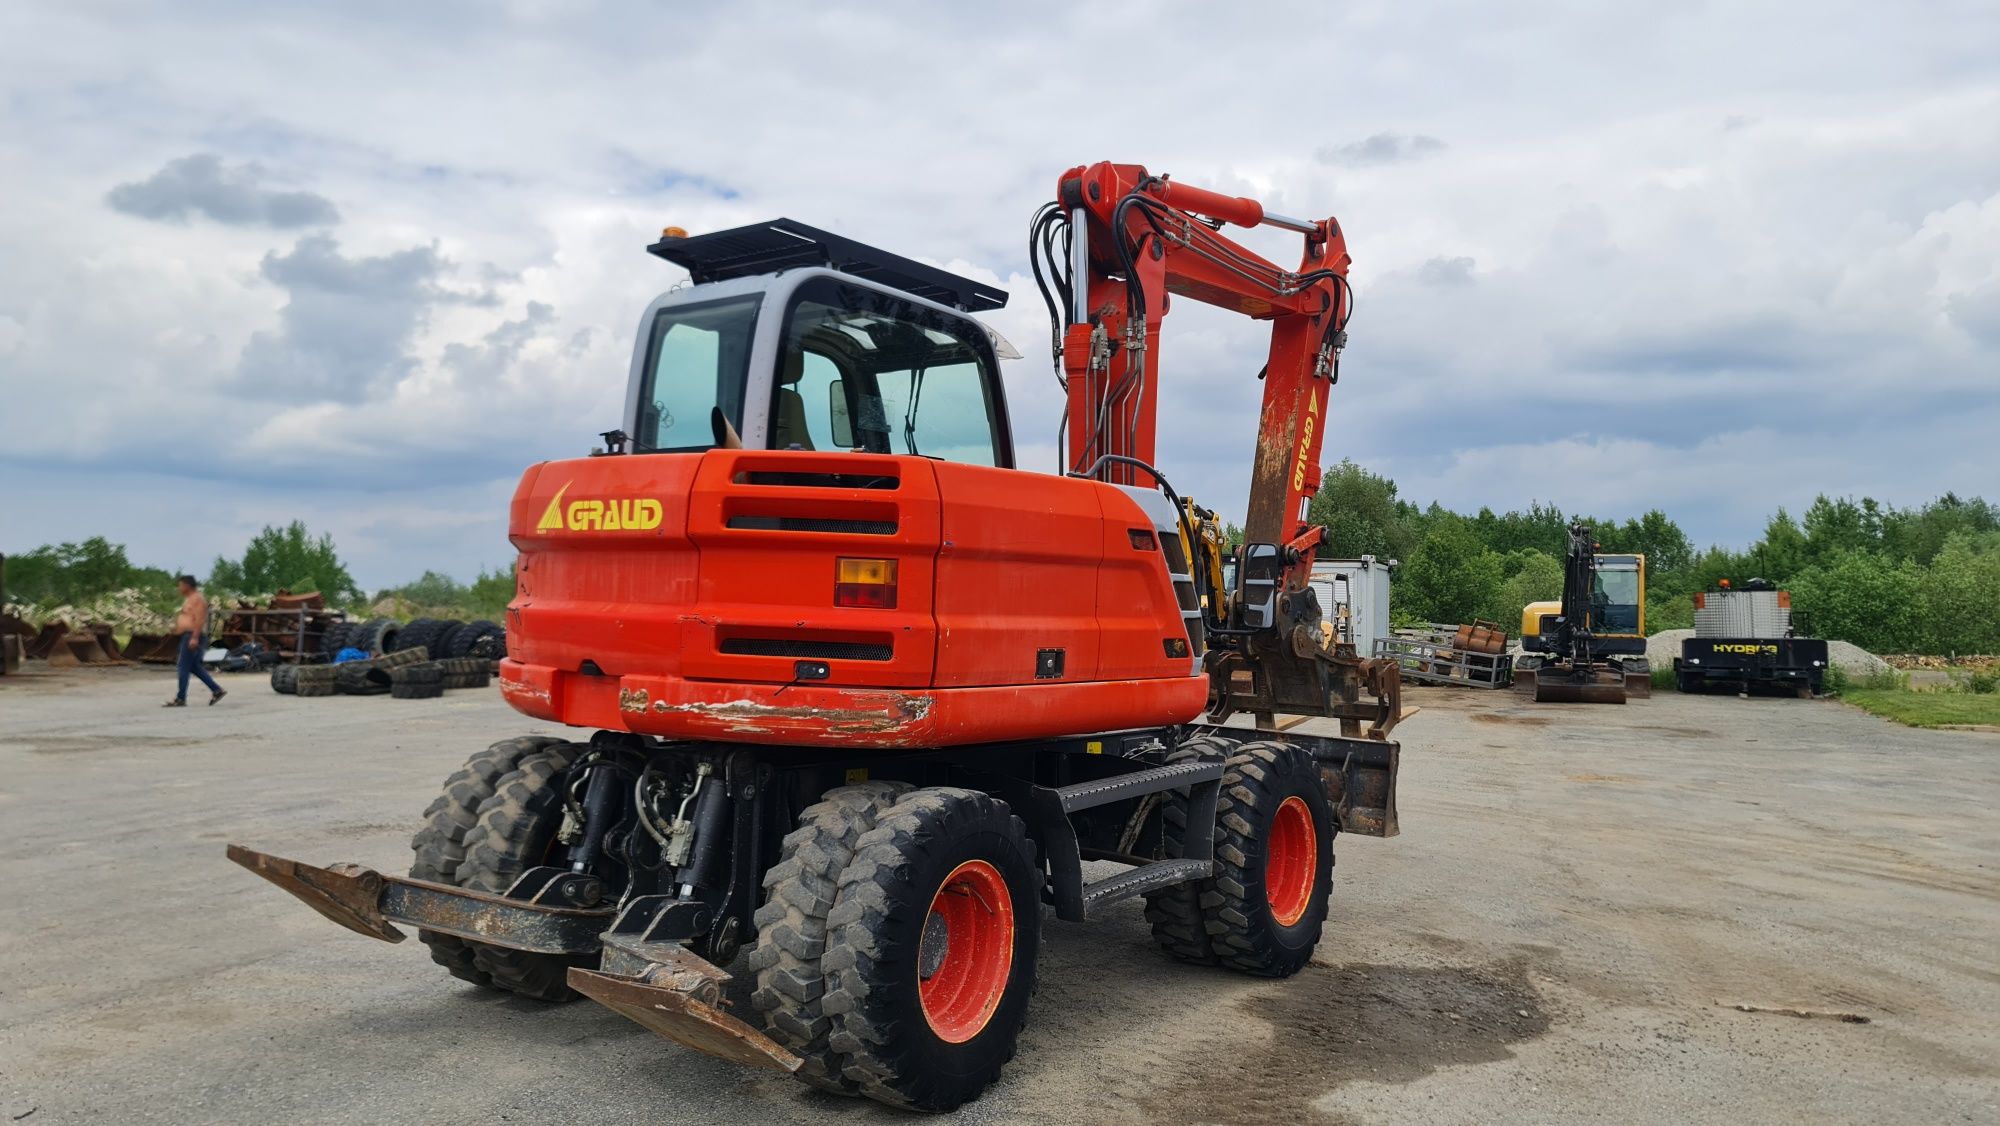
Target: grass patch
x,y
1927,709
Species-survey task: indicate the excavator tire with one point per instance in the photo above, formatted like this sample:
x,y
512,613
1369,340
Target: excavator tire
x,y
1178,924
515,832
791,925
284,679
440,844
946,882
1273,861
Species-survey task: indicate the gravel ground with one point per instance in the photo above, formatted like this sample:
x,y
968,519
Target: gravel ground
x,y
1579,898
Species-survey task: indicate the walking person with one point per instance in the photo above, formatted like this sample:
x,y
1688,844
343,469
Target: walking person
x,y
192,625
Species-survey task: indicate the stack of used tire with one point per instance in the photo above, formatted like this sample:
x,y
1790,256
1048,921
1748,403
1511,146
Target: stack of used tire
x,y
400,659
372,677
449,638
375,637
431,678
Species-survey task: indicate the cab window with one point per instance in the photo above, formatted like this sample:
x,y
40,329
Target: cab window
x,y
1614,602
696,358
861,370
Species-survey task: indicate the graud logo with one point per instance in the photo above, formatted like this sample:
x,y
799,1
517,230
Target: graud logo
x,y
614,514
1305,439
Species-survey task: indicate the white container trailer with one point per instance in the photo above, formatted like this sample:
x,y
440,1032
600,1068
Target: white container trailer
x,y
1354,596
1751,612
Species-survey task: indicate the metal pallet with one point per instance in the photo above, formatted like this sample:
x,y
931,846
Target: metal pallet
x,y
1434,658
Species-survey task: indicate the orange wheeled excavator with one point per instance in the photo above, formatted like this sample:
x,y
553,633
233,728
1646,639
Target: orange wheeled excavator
x,y
863,696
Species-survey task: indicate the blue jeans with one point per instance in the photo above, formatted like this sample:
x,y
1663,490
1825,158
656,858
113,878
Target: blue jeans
x,y
190,664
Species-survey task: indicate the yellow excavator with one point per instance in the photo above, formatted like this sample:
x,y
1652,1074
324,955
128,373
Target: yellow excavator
x,y
1590,647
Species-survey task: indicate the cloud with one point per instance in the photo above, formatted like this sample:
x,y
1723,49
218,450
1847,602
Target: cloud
x,y
489,360
1687,225
1382,148
346,329
1977,311
202,185
1446,271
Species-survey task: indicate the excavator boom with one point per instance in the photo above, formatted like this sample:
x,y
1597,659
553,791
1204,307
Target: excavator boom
x,y
1119,243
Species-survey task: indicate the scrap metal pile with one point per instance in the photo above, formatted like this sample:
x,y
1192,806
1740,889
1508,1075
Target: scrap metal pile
x,y
292,634
58,643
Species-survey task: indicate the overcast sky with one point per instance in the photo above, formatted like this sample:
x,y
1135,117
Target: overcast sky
x,y
361,263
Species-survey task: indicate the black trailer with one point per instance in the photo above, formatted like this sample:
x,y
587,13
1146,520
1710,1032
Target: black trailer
x,y
1794,665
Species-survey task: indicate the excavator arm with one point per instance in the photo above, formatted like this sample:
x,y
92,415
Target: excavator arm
x,y
1118,244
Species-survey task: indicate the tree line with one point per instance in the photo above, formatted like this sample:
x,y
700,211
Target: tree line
x,y
276,559
1922,580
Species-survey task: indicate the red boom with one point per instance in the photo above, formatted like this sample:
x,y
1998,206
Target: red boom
x,y
1144,240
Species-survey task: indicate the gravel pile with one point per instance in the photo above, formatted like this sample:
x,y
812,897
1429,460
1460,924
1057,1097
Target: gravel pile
x,y
1854,660
1663,647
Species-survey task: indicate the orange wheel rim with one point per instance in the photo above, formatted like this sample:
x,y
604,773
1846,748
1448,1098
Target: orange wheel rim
x,y
1291,862
966,951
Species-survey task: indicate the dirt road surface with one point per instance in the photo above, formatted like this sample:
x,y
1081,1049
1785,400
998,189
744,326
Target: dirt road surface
x,y
1580,899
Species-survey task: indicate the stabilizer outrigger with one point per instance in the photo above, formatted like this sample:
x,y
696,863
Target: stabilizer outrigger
x,y
646,975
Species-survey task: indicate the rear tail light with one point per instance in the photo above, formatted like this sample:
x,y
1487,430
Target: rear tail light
x,y
1785,599
1700,600
865,583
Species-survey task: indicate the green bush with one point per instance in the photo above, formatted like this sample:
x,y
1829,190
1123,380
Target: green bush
x,y
1866,599
287,558
491,592
1451,576
1960,599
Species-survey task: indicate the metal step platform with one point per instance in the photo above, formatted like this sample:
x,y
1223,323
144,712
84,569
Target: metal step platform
x,y
1142,880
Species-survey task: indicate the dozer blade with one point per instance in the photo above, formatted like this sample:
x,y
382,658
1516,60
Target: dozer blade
x,y
1563,690
681,1004
367,902
348,894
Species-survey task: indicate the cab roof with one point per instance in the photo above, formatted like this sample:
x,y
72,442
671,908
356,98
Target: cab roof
x,y
785,244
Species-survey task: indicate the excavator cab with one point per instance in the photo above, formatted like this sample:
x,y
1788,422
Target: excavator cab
x,y
787,341
815,532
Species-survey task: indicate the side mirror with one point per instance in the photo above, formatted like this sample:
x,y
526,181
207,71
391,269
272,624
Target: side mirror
x,y
1257,584
836,412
